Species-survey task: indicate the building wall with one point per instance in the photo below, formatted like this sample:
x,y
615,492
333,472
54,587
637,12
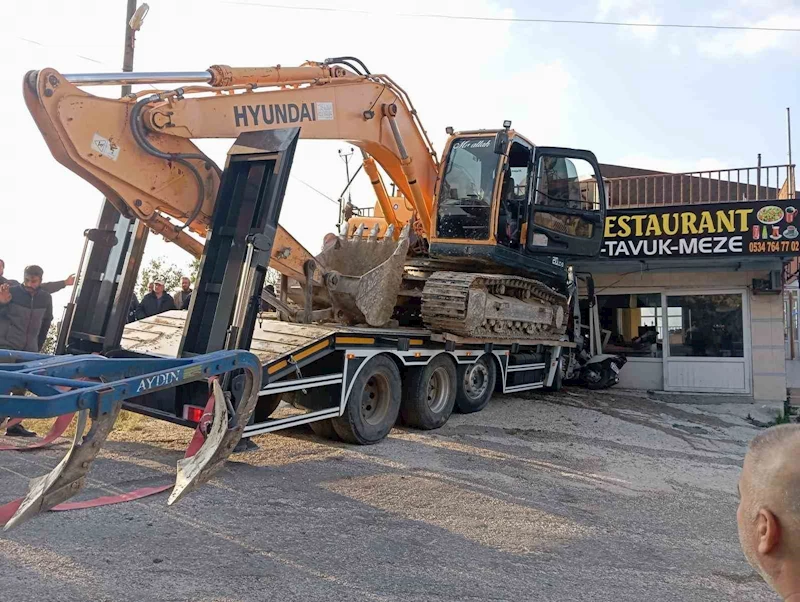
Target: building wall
x,y
766,324
769,351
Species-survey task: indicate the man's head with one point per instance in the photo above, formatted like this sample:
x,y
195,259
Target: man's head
x,y
2,267
33,277
158,288
150,287
769,506
185,284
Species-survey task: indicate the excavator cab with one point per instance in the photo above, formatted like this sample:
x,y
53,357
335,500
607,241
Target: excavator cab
x,y
512,203
568,206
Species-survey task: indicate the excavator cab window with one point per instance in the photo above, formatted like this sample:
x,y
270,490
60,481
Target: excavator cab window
x,y
514,195
568,209
465,199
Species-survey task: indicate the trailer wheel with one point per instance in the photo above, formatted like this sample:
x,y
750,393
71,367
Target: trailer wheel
x,y
373,403
265,405
476,383
324,429
430,394
320,398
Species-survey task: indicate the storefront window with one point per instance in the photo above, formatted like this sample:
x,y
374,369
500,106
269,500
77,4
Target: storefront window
x,y
705,326
635,324
652,316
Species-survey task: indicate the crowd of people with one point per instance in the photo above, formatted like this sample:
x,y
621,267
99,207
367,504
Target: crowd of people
x,y
157,300
26,312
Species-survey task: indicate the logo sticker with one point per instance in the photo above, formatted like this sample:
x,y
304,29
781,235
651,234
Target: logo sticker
x,y
324,111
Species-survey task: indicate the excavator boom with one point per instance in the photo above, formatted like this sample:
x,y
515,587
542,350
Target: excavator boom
x,y
139,152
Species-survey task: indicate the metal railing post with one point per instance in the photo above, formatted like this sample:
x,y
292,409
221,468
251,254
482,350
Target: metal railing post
x,y
758,177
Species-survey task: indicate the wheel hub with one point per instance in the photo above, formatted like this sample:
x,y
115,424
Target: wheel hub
x,y
438,390
375,400
476,379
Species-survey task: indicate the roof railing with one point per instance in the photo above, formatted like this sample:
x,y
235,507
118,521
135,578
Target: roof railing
x,y
772,182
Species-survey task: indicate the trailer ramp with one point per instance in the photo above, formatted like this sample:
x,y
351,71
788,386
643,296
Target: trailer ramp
x,y
160,335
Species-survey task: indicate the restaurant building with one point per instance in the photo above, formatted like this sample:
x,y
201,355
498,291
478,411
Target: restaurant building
x,y
690,281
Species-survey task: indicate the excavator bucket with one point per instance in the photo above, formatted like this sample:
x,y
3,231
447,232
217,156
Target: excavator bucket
x,y
363,275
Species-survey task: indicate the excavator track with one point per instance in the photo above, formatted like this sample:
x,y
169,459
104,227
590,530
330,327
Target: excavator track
x,y
489,305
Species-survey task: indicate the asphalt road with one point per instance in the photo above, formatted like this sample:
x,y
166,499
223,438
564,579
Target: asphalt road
x,y
575,496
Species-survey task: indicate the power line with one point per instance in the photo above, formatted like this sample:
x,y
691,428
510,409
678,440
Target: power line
x,y
315,190
517,19
80,56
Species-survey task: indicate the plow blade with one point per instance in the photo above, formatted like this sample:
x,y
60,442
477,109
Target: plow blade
x,y
221,438
363,276
60,388
68,477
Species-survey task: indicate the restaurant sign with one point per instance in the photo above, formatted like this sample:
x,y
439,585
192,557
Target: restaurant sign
x,y
747,228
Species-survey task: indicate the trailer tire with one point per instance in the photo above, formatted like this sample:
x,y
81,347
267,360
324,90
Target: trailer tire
x,y
324,429
373,403
475,385
265,406
430,394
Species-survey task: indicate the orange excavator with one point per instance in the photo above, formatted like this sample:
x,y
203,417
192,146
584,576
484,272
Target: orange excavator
x,y
477,248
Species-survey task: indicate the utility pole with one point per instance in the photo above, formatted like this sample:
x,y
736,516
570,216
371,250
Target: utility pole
x,y
134,17
130,37
346,158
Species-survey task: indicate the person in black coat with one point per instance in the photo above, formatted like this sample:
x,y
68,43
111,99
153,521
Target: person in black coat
x,y
156,302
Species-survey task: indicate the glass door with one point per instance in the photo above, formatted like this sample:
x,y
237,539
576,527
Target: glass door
x,y
706,342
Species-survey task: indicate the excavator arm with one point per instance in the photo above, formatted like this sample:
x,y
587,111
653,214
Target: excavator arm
x,y
138,150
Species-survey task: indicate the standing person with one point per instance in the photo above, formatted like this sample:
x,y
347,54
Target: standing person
x,y
768,517
134,306
156,302
50,287
183,296
26,312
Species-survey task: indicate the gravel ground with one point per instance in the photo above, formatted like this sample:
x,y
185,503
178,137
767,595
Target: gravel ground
x,y
570,496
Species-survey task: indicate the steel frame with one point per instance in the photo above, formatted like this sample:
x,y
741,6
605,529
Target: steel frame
x,y
355,358
121,379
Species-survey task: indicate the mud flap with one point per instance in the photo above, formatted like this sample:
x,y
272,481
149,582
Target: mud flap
x,y
67,478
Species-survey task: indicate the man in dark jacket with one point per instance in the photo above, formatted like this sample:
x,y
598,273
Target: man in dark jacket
x,y
154,303
132,309
26,312
50,287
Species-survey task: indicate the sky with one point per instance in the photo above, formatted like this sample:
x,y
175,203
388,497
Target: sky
x,y
668,99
